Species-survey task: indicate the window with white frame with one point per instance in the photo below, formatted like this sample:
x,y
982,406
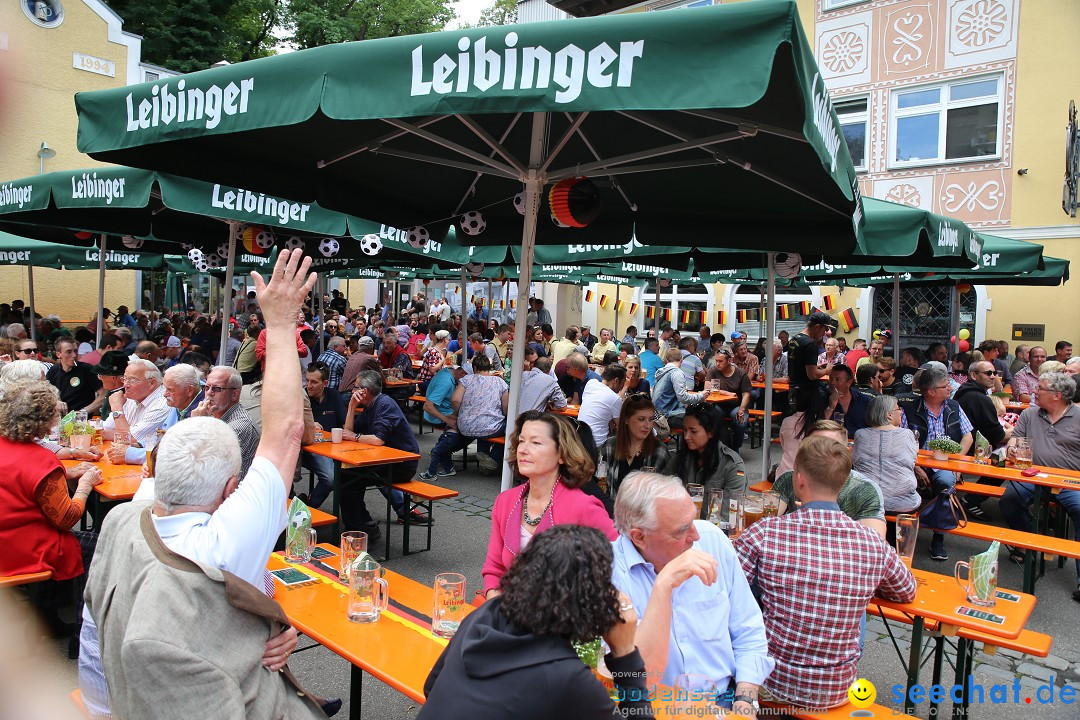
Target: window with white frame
x,y
854,123
678,4
837,4
954,121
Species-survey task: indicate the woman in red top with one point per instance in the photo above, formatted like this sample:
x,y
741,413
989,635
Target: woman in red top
x,y
35,526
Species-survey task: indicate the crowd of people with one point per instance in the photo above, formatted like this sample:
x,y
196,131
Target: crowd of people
x,y
597,537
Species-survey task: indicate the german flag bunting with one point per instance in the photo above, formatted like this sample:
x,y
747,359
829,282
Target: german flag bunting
x,y
721,317
620,305
741,316
502,304
588,295
805,307
650,312
492,302
667,314
633,308
513,303
783,312
704,318
829,301
848,321
603,301
685,317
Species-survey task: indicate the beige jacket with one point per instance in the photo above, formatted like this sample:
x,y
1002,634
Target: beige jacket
x,y
180,640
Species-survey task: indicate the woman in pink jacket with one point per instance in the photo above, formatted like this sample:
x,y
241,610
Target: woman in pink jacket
x,y
551,464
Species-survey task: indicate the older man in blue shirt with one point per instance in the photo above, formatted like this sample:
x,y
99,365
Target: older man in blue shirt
x,y
683,576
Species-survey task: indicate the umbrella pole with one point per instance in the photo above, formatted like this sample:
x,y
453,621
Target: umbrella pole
x,y
896,316
230,268
770,328
656,315
320,284
615,338
490,302
101,291
761,317
534,183
954,318
33,314
464,315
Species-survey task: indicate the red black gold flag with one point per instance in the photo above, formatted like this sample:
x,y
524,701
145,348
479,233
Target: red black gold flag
x,y
603,301
848,321
685,317
830,302
805,307
513,302
633,308
704,318
784,312
721,317
588,295
741,316
620,305
650,312
667,314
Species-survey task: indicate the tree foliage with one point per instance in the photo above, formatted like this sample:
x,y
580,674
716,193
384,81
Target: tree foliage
x,y
503,12
189,35
323,22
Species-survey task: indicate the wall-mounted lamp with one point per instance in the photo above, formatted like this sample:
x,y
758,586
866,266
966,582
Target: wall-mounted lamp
x,y
1022,171
43,153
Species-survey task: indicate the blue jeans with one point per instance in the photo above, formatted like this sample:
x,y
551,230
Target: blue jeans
x,y
323,467
1014,508
738,429
941,480
448,444
354,512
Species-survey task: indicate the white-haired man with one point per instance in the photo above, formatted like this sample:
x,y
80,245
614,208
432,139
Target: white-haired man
x,y
140,408
223,386
335,360
158,595
183,393
683,576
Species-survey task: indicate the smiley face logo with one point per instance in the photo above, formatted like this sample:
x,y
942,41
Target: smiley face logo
x,y
862,693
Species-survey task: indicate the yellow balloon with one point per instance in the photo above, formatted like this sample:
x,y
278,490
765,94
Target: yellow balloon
x,y
964,334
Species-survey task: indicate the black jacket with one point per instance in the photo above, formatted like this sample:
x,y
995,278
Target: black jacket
x,y
980,410
915,411
493,669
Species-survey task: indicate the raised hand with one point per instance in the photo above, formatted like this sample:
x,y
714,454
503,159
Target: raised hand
x,y
290,282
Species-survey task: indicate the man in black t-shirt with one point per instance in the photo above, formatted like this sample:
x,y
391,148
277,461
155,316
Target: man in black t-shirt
x,y
732,379
77,382
808,392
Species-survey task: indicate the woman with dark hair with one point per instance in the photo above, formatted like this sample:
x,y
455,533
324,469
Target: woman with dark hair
x,y
550,465
634,445
513,658
703,459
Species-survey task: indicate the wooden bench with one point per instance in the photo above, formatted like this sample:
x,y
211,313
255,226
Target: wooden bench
x,y
26,579
418,401
1028,642
420,494
980,489
77,701
837,713
755,425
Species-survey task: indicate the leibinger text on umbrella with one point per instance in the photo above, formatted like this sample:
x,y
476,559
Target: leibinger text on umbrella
x,y
14,256
188,104
121,258
514,68
251,203
91,186
15,194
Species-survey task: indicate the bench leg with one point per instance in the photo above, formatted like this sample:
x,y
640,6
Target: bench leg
x,y
914,660
939,655
356,692
965,650
410,506
336,505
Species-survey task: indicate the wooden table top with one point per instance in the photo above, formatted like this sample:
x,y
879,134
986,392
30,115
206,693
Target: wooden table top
x,y
403,382
778,385
359,454
395,653
569,411
1048,476
940,597
119,482
721,396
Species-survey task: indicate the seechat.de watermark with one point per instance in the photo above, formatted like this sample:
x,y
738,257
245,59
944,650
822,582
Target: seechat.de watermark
x,y
997,694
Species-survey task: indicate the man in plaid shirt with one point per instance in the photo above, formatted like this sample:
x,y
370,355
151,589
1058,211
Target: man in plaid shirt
x,y
816,570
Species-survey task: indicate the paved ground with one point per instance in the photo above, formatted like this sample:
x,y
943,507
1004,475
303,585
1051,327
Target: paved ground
x,y
460,542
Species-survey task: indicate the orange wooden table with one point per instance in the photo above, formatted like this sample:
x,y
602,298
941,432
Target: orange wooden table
x,y
397,653
940,598
355,454
1017,407
395,383
721,396
118,484
781,385
569,411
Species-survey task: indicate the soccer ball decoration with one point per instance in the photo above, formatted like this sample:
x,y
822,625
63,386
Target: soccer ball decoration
x,y
474,268
294,243
264,239
133,243
195,255
472,223
201,265
223,250
371,244
519,202
418,236
787,265
213,261
329,247
575,201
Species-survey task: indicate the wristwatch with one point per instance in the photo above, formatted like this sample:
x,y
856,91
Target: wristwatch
x,y
748,699
116,413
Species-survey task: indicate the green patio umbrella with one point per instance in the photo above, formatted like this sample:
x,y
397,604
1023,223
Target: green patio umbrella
x,y
174,292
707,128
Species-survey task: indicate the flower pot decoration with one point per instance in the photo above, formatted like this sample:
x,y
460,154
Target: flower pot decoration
x,y
574,201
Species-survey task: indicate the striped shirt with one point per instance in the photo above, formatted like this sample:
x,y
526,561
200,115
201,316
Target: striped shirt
x,y
336,362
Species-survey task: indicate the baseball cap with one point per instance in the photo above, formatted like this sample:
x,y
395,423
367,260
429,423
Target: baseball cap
x,y
935,365
113,362
737,335
441,334
820,318
365,342
173,342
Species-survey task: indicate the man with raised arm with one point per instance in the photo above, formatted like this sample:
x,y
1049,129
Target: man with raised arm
x,y
178,589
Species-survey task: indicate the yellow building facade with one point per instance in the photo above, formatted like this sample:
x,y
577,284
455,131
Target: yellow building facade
x,y
955,106
50,50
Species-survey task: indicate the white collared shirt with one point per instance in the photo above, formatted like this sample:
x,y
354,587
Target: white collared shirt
x,y
144,416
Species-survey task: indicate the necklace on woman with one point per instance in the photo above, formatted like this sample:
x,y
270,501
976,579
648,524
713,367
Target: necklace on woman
x,y
533,522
